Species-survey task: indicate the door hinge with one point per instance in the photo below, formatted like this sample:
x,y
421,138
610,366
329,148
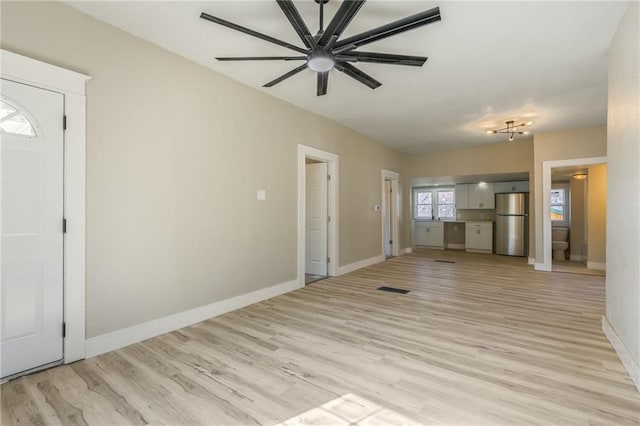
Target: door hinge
x,y
328,260
390,241
328,177
64,329
64,122
328,218
64,225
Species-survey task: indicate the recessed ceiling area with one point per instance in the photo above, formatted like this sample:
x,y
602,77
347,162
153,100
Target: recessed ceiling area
x,y
564,174
489,62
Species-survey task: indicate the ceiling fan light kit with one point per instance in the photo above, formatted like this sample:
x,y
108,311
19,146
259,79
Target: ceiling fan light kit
x,y
512,129
325,51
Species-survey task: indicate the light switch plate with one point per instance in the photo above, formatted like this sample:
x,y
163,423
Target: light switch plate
x,y
261,194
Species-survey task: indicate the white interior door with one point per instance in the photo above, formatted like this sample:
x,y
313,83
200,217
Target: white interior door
x,y
316,219
32,236
388,213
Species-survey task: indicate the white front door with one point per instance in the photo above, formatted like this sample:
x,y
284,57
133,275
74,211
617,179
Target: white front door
x,y
388,212
316,219
32,234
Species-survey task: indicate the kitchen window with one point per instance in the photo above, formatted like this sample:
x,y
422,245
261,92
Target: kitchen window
x,y
434,203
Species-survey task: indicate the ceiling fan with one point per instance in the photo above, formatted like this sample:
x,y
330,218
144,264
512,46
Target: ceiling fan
x,y
325,51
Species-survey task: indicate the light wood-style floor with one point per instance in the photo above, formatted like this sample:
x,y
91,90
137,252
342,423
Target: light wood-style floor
x,y
573,267
482,341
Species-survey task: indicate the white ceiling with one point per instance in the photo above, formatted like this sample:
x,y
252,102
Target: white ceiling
x,y
488,62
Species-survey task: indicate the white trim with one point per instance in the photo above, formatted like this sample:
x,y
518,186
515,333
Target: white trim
x,y
345,269
406,250
631,365
137,333
546,201
41,74
394,178
597,265
71,84
531,261
331,159
454,246
576,257
542,267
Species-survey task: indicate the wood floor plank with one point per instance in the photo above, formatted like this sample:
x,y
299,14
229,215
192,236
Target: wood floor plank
x,y
483,340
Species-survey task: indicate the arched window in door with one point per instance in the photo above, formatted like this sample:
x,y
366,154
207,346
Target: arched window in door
x,y
15,120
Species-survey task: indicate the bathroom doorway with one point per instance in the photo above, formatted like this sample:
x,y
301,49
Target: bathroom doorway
x,y
577,210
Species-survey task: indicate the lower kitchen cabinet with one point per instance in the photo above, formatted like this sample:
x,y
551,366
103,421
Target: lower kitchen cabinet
x,y
428,234
479,237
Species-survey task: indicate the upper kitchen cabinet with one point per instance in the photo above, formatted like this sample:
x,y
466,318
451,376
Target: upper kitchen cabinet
x,y
475,196
482,196
518,186
462,196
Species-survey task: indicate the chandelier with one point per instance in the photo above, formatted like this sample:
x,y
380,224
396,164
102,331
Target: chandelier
x,y
512,129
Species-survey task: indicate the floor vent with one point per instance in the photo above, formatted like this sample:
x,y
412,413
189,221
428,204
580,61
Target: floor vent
x,y
444,261
393,290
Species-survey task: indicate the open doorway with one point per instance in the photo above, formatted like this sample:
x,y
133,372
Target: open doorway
x,y
316,220
575,219
317,214
390,213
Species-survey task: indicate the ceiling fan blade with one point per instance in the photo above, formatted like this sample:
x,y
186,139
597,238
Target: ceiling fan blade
x,y
262,58
253,33
393,28
323,82
286,75
298,24
342,18
382,58
359,75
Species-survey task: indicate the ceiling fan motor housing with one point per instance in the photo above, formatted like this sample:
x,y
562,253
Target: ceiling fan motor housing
x,y
321,61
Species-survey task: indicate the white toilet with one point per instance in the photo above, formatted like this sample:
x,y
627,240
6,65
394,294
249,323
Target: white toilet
x,y
559,243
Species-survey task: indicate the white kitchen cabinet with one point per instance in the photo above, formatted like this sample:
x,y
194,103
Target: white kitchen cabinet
x,y
428,234
475,196
481,196
516,186
478,237
462,196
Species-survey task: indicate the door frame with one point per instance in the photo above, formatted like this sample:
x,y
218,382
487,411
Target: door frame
x,y
394,178
331,159
71,85
547,166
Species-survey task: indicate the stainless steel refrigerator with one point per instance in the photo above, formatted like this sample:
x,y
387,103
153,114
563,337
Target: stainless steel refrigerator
x,y
512,224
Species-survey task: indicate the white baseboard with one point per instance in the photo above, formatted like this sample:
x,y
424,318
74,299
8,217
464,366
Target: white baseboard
x,y
541,267
137,333
406,250
345,269
597,265
576,257
479,251
531,261
631,365
454,246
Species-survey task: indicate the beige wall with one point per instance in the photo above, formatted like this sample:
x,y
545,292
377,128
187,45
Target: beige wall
x,y
597,217
623,174
565,145
175,153
491,158
497,157
577,233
